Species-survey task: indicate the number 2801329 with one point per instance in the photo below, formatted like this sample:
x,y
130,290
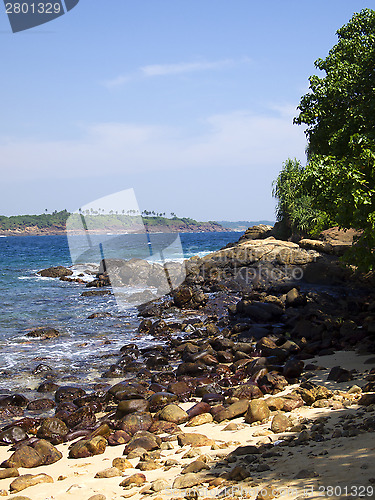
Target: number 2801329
x,y
33,8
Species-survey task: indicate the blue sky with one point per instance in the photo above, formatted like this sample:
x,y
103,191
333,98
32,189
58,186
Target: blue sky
x,y
188,102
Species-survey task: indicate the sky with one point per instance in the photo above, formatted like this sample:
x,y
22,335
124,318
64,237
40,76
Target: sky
x,y
189,103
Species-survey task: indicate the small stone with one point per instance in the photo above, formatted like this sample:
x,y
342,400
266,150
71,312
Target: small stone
x,y
280,423
27,480
194,467
99,496
239,473
159,485
257,411
192,453
11,472
109,472
121,463
203,418
173,413
187,481
355,389
134,480
194,440
266,493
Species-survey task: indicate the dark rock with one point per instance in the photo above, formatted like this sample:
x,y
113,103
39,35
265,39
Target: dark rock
x,y
293,368
339,374
161,399
198,409
41,404
43,333
52,427
55,272
68,393
118,437
131,406
135,422
144,440
13,435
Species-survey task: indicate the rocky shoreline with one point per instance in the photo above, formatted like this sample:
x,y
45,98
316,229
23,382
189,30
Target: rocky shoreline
x,y
249,347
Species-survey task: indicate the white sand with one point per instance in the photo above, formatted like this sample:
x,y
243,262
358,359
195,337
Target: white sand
x,y
340,462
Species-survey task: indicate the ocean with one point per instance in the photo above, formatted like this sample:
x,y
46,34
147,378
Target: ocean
x,y
85,347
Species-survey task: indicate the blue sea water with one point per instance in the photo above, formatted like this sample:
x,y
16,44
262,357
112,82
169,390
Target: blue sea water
x,y
85,348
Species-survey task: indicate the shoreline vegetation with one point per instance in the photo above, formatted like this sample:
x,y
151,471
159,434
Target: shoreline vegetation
x,y
102,223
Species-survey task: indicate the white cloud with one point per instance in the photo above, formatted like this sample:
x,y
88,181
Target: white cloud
x,y
154,70
237,139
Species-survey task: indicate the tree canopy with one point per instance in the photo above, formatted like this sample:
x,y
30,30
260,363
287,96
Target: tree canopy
x,y
337,186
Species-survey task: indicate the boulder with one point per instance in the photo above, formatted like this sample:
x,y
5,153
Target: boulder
x,y
52,427
88,447
257,411
43,333
203,418
233,411
194,440
187,481
135,422
27,480
109,472
280,423
39,453
55,272
134,480
173,413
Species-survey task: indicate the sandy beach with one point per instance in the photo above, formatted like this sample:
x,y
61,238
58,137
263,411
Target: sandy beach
x,y
340,467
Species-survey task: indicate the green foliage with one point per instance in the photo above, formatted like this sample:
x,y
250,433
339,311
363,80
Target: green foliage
x,y
43,221
294,206
337,186
341,104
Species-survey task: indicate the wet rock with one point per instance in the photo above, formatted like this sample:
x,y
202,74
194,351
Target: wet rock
x,y
259,311
247,391
163,427
27,480
12,435
47,387
100,314
131,406
55,272
257,411
160,399
173,413
194,440
134,480
107,473
203,418
41,405
43,333
280,423
233,411
68,393
52,427
88,448
180,389
135,422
